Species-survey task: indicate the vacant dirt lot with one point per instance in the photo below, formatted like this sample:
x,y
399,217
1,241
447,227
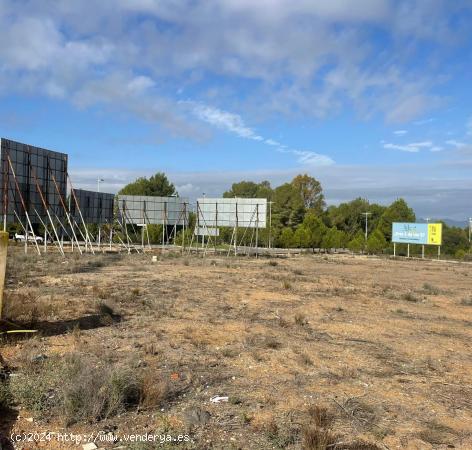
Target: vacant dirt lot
x,y
312,352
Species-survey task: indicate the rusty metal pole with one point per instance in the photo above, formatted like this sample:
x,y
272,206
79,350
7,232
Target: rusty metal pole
x,y
3,265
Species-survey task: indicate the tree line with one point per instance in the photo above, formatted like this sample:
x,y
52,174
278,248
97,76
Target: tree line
x,y
300,218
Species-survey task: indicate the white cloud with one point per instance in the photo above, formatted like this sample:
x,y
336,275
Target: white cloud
x,y
234,123
400,132
140,84
413,147
334,10
224,120
422,144
32,49
324,64
410,103
187,189
307,158
130,93
403,148
455,144
424,121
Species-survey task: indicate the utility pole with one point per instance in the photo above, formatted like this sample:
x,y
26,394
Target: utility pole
x,y
366,214
470,228
98,183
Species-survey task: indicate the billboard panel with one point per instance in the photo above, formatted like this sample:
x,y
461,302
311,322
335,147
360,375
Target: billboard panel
x,y
232,212
33,166
417,233
138,209
434,233
96,207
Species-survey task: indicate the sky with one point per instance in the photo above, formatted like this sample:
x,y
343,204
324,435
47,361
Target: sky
x,y
373,100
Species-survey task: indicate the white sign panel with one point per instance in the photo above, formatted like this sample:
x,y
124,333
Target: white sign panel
x,y
232,212
138,209
202,231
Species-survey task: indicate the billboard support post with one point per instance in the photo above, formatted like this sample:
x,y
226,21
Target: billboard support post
x,y
236,232
394,249
46,208
216,220
67,211
164,225
87,235
422,251
24,208
408,251
257,230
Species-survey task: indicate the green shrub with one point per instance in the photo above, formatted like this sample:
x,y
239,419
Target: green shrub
x,y
430,289
32,389
376,242
410,297
92,393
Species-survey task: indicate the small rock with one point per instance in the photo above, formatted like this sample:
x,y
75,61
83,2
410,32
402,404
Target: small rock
x,y
39,358
196,416
89,446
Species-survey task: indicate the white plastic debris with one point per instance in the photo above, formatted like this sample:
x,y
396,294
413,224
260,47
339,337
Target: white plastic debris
x,y
218,399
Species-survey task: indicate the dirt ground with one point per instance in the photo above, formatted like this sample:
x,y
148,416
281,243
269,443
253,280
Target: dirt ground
x,y
380,346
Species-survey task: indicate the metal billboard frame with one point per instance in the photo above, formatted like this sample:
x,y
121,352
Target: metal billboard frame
x,y
33,181
27,174
236,213
142,210
96,207
233,212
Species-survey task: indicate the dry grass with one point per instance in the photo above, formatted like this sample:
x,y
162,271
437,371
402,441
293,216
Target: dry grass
x,y
319,352
5,396
76,388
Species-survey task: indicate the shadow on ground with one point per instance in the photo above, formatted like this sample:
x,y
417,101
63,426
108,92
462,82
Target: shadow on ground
x,y
59,327
6,426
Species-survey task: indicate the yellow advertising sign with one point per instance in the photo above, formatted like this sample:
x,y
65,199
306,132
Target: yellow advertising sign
x,y
434,233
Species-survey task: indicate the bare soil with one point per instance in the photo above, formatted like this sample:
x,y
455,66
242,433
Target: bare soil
x,y
382,345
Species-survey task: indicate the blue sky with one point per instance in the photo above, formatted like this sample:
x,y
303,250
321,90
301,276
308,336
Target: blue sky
x,y
374,101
